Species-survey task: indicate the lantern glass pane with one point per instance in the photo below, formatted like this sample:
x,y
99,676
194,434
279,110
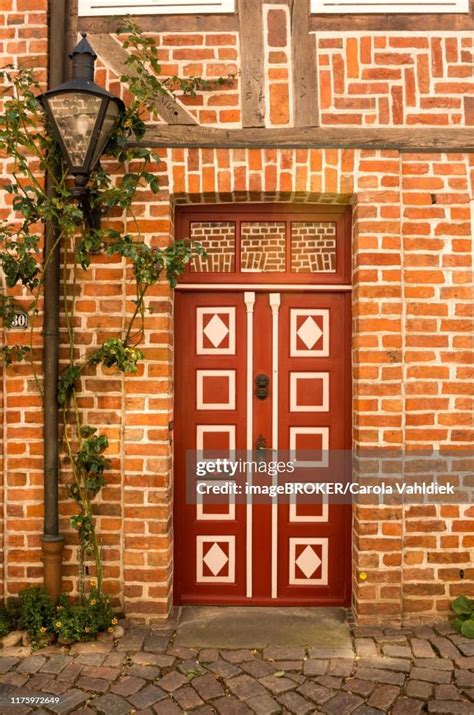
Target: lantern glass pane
x,y
111,115
75,115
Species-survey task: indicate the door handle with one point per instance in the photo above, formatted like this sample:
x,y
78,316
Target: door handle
x,y
261,444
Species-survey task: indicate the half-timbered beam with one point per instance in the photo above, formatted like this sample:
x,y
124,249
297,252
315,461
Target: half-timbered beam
x,y
337,23
112,54
415,140
303,55
251,63
421,22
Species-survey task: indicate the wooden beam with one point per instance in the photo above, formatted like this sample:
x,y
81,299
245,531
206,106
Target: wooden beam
x,y
112,54
428,139
164,23
337,23
456,22
303,53
251,63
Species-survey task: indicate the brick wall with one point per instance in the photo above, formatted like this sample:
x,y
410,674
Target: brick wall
x,y
402,79
365,79
412,303
23,40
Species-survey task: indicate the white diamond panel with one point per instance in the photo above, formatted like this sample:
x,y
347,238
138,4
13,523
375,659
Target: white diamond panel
x,y
312,561
215,335
219,559
309,332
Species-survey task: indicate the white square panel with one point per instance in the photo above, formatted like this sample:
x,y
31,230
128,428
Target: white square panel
x,y
215,331
310,377
215,559
223,380
322,432
308,562
309,332
308,518
201,432
203,515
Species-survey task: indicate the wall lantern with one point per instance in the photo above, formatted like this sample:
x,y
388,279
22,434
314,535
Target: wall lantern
x,y
82,116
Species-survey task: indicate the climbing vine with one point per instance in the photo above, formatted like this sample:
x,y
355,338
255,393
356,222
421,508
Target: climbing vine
x,y
32,152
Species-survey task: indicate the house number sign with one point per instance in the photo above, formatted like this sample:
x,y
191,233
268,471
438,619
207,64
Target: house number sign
x,y
20,320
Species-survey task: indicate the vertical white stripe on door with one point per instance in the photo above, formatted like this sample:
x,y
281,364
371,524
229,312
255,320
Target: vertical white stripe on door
x,y
249,299
275,306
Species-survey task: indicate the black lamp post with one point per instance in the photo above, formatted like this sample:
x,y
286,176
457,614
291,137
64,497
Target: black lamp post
x,y
82,115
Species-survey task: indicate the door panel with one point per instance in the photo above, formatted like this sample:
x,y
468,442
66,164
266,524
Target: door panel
x,y
298,343
210,411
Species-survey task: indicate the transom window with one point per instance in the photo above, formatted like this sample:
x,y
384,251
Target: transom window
x,y
282,244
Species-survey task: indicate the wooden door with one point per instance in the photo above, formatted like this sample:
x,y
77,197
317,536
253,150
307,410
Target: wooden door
x,y
286,553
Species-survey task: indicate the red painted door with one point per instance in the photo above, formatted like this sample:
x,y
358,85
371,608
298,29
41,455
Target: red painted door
x,y
242,552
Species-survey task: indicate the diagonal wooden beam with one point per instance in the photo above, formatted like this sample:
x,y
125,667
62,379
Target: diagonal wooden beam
x,y
303,55
112,54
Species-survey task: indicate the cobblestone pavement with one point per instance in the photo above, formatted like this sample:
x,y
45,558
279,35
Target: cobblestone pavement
x,y
403,672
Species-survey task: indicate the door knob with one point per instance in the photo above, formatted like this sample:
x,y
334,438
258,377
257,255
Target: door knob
x,y
261,442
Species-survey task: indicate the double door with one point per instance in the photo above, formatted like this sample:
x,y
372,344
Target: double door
x,y
261,370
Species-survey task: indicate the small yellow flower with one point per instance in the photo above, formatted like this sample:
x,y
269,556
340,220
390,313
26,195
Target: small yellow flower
x,y
111,630
43,629
93,583
59,608
86,629
58,624
114,621
93,602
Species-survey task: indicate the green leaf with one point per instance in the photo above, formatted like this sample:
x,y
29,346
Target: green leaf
x,y
463,606
467,628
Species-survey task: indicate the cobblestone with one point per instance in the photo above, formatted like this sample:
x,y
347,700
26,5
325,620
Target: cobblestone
x,y
388,672
359,687
231,706
448,707
147,696
208,687
422,648
187,698
277,685
265,705
245,687
343,704
419,689
384,696
314,666
109,703
172,681
431,675
128,685
295,703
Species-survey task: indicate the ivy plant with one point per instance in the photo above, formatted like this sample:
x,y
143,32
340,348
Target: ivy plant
x,y
463,607
28,142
